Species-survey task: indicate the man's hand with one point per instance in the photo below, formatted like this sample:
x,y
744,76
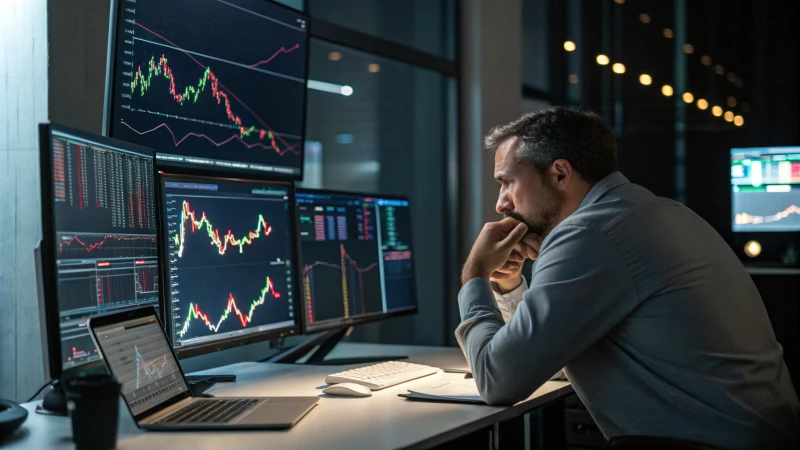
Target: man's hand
x,y
509,277
493,248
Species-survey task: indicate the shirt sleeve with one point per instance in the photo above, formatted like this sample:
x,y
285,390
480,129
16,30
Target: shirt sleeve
x,y
508,302
580,289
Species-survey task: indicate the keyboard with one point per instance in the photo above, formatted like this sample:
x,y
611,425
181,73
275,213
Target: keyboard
x,y
210,411
382,375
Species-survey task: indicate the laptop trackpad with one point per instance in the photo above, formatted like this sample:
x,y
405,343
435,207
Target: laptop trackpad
x,y
278,411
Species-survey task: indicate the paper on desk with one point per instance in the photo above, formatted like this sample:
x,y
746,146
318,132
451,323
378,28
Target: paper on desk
x,y
455,390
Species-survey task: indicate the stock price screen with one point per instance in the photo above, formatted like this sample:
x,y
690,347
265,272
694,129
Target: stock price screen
x,y
106,249
765,185
214,83
230,258
357,257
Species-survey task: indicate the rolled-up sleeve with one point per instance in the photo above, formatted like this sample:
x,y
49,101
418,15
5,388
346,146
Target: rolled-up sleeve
x,y
580,289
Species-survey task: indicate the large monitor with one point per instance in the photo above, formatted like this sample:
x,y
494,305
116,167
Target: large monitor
x,y
99,250
210,84
230,256
357,258
765,189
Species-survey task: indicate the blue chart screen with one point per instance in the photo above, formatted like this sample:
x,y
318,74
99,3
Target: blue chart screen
x,y
357,257
230,259
216,83
765,185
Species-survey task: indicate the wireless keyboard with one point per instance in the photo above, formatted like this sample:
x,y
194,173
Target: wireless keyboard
x,y
383,375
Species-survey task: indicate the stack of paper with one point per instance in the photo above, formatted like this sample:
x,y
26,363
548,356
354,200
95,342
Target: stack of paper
x,y
464,390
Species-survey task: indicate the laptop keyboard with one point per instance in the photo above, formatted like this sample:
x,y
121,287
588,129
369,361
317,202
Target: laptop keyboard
x,y
210,411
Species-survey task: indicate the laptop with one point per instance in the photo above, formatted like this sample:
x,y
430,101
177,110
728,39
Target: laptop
x,y
135,349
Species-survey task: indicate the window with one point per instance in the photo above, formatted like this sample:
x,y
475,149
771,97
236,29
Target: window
x,y
388,136
535,44
425,25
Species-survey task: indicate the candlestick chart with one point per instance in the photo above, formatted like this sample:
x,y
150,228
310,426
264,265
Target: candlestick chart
x,y
223,86
230,264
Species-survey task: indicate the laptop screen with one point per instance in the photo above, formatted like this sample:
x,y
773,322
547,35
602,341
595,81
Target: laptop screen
x,y
139,356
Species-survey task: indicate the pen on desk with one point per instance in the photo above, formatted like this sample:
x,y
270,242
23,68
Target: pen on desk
x,y
467,373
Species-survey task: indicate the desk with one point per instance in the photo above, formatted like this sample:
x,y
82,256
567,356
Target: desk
x,y
381,421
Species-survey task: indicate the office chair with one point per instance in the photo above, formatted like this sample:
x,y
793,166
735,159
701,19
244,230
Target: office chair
x,y
655,443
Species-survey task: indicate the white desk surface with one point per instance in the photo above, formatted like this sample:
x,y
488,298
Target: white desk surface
x,y
381,421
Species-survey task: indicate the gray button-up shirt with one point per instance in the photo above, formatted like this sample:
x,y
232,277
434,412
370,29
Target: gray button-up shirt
x,y
657,324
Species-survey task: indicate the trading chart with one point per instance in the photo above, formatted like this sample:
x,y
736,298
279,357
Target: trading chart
x,y
106,249
230,259
212,82
765,185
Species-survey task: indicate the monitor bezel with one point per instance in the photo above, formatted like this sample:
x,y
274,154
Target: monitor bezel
x,y
238,341
49,267
195,169
333,324
764,150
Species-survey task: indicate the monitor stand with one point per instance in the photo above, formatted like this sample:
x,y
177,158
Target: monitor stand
x,y
54,403
326,342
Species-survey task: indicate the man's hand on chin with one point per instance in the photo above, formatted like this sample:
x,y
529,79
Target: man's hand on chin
x,y
492,249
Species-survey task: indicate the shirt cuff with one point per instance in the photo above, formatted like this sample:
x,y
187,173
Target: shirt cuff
x,y
508,302
476,302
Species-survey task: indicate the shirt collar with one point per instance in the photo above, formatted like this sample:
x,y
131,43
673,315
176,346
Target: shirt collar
x,y
601,188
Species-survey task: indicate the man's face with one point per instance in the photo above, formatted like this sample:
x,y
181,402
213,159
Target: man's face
x,y
525,194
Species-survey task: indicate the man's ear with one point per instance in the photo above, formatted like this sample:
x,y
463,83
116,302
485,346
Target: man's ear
x,y
562,172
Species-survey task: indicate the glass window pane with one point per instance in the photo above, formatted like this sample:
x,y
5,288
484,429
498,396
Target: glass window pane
x,y
426,25
389,136
296,4
535,42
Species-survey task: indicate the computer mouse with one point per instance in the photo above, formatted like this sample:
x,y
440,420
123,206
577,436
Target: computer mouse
x,y
348,390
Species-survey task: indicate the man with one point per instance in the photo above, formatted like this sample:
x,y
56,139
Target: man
x,y
655,321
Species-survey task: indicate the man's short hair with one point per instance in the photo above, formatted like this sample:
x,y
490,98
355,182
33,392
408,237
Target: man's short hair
x,y
580,137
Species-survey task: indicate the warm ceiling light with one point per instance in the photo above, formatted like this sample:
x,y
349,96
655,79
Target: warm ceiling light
x,y
728,116
716,111
752,249
719,69
666,90
738,121
706,60
732,102
668,33
618,68
645,79
569,46
573,79
688,48
688,97
619,2
334,56
603,60
374,68
645,18
702,103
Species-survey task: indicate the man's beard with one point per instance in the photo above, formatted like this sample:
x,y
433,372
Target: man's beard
x,y
544,220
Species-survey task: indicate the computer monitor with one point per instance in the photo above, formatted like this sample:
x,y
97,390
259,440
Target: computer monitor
x,y
357,258
99,249
230,254
209,84
765,189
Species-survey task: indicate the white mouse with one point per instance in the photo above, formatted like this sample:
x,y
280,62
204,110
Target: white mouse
x,y
348,390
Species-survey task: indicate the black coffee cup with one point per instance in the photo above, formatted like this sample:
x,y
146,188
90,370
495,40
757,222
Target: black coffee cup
x,y
93,404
